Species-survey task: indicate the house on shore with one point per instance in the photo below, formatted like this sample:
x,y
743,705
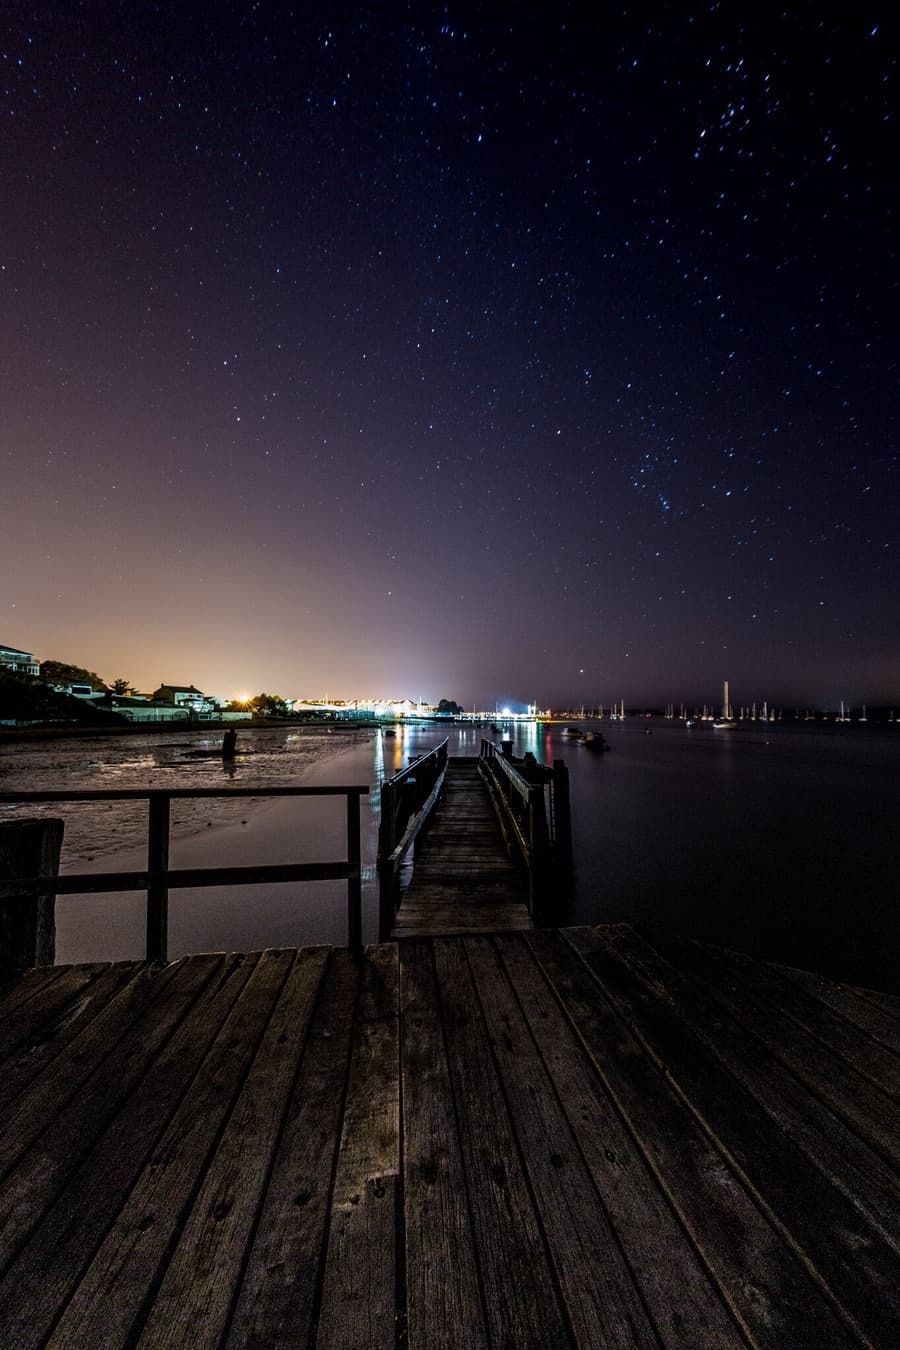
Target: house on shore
x,y
187,697
19,663
140,708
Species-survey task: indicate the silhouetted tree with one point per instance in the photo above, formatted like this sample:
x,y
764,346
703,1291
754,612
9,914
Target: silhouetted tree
x,y
269,705
59,672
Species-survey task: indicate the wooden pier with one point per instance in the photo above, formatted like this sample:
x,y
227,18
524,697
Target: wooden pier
x,y
533,1139
464,880
485,841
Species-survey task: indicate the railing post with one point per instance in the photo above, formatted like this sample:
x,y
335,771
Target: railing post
x,y
157,866
562,814
386,844
386,830
29,848
537,846
354,882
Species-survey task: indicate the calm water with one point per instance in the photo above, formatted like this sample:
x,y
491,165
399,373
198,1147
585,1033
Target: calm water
x,y
780,841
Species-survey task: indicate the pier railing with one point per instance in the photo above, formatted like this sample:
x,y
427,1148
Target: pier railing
x,y
532,806
158,878
407,802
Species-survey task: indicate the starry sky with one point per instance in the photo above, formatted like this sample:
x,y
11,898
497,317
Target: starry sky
x,y
482,351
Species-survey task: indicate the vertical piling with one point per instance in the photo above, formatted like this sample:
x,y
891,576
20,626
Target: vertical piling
x,y
158,890
562,812
354,883
29,848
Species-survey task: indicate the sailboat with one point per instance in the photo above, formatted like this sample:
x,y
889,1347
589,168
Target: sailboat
x,y
726,720
842,717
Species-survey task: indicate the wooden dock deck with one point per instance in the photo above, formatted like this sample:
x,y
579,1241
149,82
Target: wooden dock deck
x,y
585,1137
464,880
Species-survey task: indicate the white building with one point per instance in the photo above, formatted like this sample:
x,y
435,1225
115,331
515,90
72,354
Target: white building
x,y
20,663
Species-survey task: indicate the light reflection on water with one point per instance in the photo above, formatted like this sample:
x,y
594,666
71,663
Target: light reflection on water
x,y
779,841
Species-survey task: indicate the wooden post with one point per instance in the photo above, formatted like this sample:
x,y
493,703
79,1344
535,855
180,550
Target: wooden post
x,y
386,841
562,813
354,884
29,848
537,845
387,907
158,892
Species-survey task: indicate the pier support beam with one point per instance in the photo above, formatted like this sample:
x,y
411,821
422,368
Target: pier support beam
x,y
29,848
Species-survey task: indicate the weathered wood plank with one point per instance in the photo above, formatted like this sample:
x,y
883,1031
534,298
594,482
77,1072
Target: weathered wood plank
x,y
40,1172
767,1285
859,1050
521,1300
193,1302
42,1280
444,908
616,1087
873,1016
489,893
658,1251
72,1019
455,929
820,1222
17,988
23,1024
111,1300
79,1090
458,921
888,1003
849,1163
604,1306
278,1293
856,1099
442,1313
359,1305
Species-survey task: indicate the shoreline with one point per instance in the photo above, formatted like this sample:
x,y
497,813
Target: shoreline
x,y
50,733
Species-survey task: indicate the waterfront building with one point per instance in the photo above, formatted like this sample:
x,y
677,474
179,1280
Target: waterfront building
x,y
19,663
185,696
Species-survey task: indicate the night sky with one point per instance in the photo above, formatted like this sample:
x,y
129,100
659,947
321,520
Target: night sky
x,y
480,351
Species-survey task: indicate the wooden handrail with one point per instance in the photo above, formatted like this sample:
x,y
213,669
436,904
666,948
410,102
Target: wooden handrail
x,y
159,878
416,824
540,828
177,878
407,802
404,794
498,761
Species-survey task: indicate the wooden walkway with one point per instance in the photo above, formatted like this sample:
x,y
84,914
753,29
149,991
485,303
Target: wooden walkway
x,y
464,880
537,1139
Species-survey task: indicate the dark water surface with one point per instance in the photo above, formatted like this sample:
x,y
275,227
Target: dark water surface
x,y
779,840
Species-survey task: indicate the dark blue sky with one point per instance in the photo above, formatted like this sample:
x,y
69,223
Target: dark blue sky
x,y
453,350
